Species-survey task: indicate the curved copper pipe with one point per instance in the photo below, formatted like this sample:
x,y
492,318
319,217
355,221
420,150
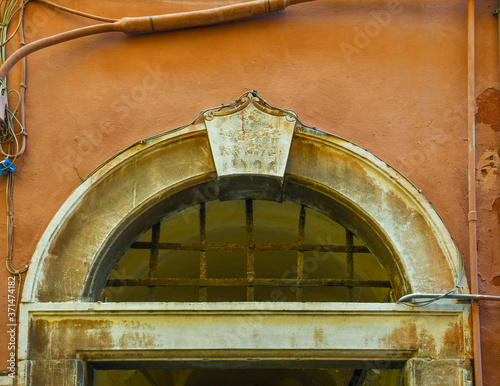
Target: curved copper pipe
x,y
133,25
51,41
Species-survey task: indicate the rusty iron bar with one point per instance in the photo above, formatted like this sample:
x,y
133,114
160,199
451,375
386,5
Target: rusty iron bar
x,y
250,248
238,282
300,253
203,253
148,376
349,240
153,257
250,282
257,247
358,377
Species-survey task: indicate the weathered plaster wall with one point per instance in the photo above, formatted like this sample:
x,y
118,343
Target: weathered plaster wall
x,y
488,173
389,76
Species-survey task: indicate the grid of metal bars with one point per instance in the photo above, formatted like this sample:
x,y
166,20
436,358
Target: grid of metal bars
x,y
250,282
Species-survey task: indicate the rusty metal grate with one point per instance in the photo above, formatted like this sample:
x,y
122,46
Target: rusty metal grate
x,y
249,247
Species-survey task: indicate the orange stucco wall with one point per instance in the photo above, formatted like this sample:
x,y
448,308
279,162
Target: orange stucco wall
x,y
390,76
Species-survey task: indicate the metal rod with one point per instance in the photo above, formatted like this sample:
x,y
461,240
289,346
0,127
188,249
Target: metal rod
x,y
250,248
497,12
148,376
300,253
349,239
471,110
409,297
358,377
257,247
238,282
153,257
203,253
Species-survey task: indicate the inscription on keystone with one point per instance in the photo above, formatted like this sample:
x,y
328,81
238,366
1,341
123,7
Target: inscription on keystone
x,y
250,140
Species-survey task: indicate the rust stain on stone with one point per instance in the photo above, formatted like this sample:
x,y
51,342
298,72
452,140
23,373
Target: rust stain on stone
x,y
318,336
426,341
137,339
59,338
451,341
412,336
488,108
407,333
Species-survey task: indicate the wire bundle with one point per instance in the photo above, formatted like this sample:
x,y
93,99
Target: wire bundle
x,y
12,132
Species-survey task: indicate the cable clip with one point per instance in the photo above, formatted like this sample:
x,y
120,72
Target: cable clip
x,y
6,166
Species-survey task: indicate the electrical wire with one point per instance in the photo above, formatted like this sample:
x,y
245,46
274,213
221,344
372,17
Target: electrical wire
x,y
79,13
284,111
23,84
10,130
458,286
9,194
12,35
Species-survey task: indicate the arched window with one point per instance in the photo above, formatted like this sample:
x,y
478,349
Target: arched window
x,y
246,250
245,242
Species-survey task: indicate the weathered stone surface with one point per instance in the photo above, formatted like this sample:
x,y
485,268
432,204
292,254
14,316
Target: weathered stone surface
x,y
250,140
6,381
442,372
52,372
317,331
61,330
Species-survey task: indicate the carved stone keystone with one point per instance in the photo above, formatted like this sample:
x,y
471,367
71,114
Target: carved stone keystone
x,y
250,139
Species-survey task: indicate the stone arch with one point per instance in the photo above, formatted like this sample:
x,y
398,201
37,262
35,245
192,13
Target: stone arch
x,y
65,331
168,172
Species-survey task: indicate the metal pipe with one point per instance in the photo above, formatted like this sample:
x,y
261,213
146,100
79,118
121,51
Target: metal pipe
x,y
143,24
497,12
51,41
472,217
418,295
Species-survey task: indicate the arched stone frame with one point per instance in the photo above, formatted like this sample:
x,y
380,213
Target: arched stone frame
x,y
165,174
